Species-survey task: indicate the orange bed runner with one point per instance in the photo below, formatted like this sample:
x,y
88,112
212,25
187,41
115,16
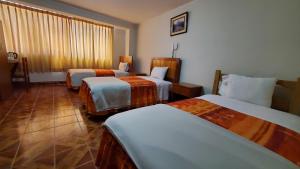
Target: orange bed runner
x,y
104,72
99,73
143,92
276,138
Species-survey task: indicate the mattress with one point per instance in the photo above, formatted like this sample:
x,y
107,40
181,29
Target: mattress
x,y
113,93
75,76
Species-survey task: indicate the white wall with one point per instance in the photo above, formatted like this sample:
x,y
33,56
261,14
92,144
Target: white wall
x,y
250,37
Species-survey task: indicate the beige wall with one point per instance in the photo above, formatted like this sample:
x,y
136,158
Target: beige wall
x,y
119,46
251,37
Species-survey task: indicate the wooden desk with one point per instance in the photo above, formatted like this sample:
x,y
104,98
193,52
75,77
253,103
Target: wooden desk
x,y
185,90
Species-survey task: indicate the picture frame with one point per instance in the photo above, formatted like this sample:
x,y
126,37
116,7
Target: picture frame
x,y
179,24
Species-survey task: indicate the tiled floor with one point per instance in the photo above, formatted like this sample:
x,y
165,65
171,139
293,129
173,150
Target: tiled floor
x,y
44,128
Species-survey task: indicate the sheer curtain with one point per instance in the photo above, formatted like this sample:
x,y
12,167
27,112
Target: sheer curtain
x,y
54,42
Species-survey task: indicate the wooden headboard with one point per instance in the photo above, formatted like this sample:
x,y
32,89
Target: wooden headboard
x,y
129,60
286,95
174,65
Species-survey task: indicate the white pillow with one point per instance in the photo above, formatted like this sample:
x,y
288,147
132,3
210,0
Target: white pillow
x,y
123,66
159,72
223,86
253,90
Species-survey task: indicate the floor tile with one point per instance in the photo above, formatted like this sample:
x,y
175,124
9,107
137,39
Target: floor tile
x,y
46,129
39,154
89,165
65,120
70,130
71,159
64,112
38,136
39,125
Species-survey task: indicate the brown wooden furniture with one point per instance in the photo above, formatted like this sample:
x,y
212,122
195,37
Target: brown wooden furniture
x,y
24,74
5,76
185,90
129,60
137,74
286,95
173,64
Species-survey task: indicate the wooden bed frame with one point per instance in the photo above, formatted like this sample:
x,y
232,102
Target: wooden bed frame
x,y
174,65
127,59
286,95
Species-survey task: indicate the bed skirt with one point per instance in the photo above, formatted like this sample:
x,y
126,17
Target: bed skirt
x,y
111,154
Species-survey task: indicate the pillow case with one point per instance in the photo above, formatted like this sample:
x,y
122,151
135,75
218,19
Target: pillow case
x,y
223,86
123,66
159,72
250,89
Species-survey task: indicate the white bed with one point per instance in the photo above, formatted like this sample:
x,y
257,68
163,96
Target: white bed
x,y
155,137
77,75
112,93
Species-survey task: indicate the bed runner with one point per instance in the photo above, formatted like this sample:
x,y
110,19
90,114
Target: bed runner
x,y
104,72
276,138
143,92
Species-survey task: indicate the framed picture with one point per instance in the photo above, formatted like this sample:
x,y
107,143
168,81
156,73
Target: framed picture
x,y
179,24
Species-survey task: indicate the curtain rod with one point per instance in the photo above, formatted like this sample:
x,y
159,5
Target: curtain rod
x,y
51,13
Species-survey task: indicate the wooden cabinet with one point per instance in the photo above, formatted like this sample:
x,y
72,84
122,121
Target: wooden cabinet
x,y
137,74
5,75
185,90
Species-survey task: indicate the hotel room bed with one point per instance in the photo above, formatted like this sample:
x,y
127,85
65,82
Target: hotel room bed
x,y
103,95
74,76
207,132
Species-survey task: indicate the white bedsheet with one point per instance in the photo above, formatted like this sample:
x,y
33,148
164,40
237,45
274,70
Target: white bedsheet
x,y
120,73
110,92
161,136
163,87
78,74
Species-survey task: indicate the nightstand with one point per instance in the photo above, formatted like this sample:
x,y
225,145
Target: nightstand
x,y
185,90
137,74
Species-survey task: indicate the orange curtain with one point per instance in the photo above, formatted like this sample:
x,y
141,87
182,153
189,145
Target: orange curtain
x,y
54,42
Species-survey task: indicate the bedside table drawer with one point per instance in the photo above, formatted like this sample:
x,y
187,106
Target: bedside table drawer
x,y
186,90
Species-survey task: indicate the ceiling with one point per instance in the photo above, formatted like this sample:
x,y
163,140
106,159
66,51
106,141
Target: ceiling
x,y
135,11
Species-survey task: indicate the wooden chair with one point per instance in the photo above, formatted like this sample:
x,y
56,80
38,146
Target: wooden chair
x,y
24,74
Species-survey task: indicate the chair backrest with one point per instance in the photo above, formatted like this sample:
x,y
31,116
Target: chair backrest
x,y
25,70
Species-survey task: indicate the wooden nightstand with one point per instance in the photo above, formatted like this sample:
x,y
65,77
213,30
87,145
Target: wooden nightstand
x,y
137,74
185,90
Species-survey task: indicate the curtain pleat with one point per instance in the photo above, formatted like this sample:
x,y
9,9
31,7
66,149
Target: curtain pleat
x,y
55,43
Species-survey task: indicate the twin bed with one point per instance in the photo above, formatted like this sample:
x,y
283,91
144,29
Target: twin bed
x,y
103,95
75,76
210,131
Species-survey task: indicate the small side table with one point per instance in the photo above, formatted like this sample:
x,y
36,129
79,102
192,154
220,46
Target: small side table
x,y
137,74
183,90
